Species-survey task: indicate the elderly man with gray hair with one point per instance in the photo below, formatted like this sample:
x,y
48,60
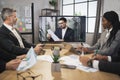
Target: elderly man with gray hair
x,y
11,41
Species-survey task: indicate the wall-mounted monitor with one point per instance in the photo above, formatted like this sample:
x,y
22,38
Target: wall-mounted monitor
x,y
77,23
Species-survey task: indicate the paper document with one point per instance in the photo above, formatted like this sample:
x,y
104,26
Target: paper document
x,y
53,36
70,60
86,45
45,58
29,61
86,69
74,60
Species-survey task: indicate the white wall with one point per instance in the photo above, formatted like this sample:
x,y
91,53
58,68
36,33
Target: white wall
x,y
89,38
108,5
112,5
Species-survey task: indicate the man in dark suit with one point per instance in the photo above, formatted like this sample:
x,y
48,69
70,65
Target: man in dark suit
x,y
103,63
64,33
10,39
10,65
9,61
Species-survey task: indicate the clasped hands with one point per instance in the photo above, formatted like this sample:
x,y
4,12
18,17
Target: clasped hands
x,y
84,59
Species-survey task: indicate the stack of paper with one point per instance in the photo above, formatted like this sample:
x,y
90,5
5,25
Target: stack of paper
x,y
29,61
70,60
74,60
86,45
45,58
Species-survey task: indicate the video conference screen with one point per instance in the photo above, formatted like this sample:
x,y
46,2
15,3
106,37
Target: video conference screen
x,y
77,23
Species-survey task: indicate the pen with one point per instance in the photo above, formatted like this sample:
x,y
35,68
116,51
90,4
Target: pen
x,y
82,54
82,44
96,51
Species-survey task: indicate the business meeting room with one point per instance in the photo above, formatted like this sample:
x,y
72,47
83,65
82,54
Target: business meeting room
x,y
59,40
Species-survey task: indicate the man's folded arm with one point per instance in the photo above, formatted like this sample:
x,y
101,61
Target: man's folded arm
x,y
112,67
2,65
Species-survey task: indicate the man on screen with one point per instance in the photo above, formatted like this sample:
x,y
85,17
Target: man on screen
x,y
64,33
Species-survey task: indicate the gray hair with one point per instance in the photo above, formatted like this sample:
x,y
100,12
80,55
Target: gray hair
x,y
6,12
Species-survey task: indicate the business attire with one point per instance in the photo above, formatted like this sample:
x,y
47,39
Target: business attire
x,y
4,58
2,65
112,66
12,44
102,47
66,34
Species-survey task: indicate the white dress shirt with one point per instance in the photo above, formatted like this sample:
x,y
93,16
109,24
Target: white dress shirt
x,y
108,33
13,30
63,32
96,62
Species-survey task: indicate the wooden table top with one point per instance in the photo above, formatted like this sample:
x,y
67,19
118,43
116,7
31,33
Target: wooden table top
x,y
42,69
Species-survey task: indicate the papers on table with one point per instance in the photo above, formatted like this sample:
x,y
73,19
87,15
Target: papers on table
x,y
86,45
70,60
53,36
74,60
45,58
86,69
29,61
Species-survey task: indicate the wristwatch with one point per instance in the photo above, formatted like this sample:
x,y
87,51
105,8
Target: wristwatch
x,y
90,63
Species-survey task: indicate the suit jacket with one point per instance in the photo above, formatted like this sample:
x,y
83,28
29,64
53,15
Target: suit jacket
x,y
2,65
9,42
4,58
101,44
112,67
69,35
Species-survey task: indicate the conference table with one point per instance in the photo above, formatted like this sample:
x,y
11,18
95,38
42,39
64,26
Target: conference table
x,y
42,70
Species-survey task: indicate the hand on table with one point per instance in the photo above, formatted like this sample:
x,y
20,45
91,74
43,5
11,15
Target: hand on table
x,y
99,57
84,60
13,64
38,48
